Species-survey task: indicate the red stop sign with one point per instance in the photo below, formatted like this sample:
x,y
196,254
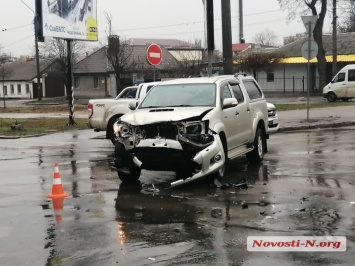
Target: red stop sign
x,y
154,54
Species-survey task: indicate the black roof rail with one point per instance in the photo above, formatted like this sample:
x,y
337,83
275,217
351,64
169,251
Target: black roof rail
x,y
240,74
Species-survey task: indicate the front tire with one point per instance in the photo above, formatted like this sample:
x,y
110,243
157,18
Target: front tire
x,y
130,175
126,169
257,154
331,97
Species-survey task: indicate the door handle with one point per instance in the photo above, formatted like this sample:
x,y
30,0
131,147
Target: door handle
x,y
248,109
236,113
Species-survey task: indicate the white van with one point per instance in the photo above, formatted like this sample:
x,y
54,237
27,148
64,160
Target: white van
x,y
342,85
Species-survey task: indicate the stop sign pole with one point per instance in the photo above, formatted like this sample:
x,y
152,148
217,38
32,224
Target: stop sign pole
x,y
154,56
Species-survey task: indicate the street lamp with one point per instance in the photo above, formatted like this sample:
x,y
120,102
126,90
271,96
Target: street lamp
x,y
39,89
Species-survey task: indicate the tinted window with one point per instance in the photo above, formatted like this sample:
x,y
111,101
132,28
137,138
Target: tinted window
x,y
237,92
340,77
351,75
253,91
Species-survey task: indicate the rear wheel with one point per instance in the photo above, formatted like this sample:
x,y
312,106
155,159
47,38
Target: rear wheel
x,y
257,154
109,130
331,97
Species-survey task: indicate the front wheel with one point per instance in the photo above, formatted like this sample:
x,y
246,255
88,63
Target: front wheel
x,y
331,97
129,175
257,154
126,169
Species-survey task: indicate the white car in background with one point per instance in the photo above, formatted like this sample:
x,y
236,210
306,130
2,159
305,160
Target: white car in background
x,y
273,119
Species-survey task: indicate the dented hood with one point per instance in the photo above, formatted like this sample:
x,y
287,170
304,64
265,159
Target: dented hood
x,y
167,114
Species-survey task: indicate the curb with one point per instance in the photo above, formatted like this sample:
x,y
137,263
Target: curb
x,y
317,126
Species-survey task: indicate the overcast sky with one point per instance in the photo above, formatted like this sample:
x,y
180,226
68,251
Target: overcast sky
x,y
163,19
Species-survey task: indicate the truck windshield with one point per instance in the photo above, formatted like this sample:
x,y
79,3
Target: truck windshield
x,y
174,95
127,93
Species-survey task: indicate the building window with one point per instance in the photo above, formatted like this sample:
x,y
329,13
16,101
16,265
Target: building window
x,y
12,90
96,82
270,77
27,88
77,82
18,88
5,90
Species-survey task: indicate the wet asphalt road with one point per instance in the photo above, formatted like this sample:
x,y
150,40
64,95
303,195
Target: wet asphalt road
x,y
304,187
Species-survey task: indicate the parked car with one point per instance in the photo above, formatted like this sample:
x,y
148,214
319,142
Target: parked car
x,y
103,113
342,85
273,119
191,126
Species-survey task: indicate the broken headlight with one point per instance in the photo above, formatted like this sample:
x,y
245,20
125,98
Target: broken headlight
x,y
193,128
122,129
195,132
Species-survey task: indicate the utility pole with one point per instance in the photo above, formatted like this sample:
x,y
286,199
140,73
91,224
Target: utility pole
x,y
227,37
241,33
335,50
36,25
39,85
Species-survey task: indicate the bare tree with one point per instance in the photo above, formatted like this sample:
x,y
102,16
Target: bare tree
x,y
266,37
119,54
317,8
4,58
4,73
348,22
57,50
191,61
258,61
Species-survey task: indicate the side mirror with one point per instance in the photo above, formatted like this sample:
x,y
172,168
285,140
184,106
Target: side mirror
x,y
133,105
229,102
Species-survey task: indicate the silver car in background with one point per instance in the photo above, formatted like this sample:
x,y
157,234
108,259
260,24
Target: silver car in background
x,y
273,119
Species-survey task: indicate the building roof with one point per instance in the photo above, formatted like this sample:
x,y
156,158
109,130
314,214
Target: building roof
x,y
26,70
240,47
97,62
345,46
169,44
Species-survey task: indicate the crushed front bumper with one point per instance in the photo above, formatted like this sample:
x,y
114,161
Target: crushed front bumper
x,y
174,155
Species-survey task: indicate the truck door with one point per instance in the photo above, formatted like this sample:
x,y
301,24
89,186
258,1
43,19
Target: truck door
x,y
236,119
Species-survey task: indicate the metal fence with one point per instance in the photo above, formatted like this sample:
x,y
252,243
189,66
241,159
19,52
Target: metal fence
x,y
293,84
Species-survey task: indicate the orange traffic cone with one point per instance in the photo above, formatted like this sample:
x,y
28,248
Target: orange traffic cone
x,y
58,208
57,188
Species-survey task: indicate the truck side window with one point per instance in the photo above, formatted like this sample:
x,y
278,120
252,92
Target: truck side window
x,y
253,90
225,92
351,76
340,77
237,92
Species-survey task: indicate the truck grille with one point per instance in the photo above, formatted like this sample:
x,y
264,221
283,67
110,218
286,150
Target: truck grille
x,y
165,131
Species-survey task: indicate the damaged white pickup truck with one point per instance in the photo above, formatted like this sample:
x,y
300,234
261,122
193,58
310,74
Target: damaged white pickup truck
x,y
192,126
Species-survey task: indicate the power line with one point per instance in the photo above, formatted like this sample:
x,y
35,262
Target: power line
x,y
15,28
192,22
17,41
